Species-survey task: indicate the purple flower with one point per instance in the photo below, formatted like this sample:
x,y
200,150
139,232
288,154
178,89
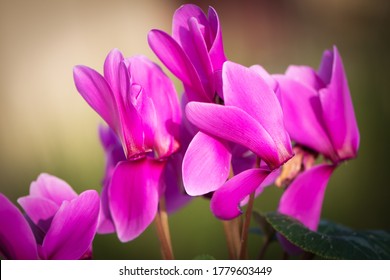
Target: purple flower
x,y
139,103
137,100
171,180
59,224
194,53
250,117
320,118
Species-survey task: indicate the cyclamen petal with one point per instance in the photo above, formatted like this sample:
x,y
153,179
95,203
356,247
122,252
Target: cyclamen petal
x,y
172,55
175,195
159,89
111,70
181,29
73,228
326,66
131,133
242,158
303,198
303,115
234,124
247,90
305,75
338,111
134,196
105,224
194,53
226,200
17,240
217,54
52,188
200,57
138,102
268,181
40,210
206,164
266,76
95,90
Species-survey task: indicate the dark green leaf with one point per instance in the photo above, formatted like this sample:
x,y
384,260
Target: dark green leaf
x,y
333,241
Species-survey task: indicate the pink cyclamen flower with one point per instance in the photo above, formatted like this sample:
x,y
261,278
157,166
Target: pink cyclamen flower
x,y
250,117
58,224
171,179
139,103
320,118
194,53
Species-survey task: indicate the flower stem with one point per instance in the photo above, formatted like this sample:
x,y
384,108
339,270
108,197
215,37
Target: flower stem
x,y
164,220
162,227
232,233
245,227
229,239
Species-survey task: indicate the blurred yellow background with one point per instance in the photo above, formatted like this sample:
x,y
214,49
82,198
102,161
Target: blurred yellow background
x,y
47,127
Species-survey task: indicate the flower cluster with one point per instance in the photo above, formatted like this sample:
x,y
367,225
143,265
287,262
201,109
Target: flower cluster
x,y
229,138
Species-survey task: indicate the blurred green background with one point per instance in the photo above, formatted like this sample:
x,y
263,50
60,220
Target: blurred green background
x,y
47,127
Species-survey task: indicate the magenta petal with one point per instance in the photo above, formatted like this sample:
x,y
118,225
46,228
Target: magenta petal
x,y
303,198
268,181
234,124
265,75
73,228
175,195
242,159
107,137
159,89
40,210
325,69
105,224
52,188
180,26
17,241
217,54
111,70
303,115
338,111
95,90
172,55
200,57
131,133
206,164
134,196
247,90
225,203
305,75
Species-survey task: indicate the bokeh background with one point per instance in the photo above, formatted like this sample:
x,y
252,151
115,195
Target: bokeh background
x,y
46,126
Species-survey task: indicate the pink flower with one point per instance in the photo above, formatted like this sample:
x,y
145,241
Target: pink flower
x,y
59,224
320,118
250,117
139,103
194,53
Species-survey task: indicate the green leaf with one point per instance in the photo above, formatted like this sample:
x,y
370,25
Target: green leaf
x,y
333,241
204,257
